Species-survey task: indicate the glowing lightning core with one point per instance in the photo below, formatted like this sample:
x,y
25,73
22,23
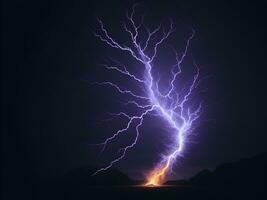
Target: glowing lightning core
x,y
170,105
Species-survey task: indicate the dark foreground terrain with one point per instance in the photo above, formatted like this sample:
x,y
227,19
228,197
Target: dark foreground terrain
x,y
139,192
244,179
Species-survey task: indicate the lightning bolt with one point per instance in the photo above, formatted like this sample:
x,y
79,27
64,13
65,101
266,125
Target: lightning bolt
x,y
170,105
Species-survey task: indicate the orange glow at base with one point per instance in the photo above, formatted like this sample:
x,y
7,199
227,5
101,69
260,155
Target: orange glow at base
x,y
157,177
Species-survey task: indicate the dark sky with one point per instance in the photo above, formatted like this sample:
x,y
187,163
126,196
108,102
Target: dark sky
x,y
49,111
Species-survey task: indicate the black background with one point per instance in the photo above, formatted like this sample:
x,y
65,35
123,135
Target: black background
x,y
48,49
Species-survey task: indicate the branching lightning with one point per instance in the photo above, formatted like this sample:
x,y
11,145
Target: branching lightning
x,y
170,105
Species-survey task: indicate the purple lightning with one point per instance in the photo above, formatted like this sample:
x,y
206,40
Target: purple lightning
x,y
169,105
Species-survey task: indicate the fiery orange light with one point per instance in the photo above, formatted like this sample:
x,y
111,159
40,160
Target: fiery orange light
x,y
157,177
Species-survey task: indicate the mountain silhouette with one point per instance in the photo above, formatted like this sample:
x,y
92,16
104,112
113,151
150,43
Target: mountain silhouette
x,y
84,176
243,179
248,173
245,174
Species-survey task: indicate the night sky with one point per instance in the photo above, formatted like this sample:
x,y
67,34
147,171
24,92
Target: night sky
x,y
51,114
